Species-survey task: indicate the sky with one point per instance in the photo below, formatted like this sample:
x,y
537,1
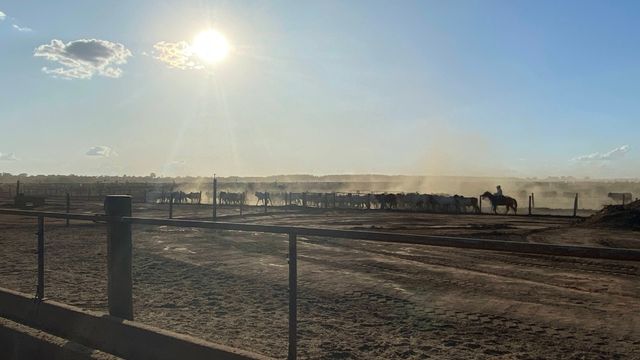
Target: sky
x,y
457,87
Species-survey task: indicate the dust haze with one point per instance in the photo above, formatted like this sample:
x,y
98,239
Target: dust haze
x,y
552,192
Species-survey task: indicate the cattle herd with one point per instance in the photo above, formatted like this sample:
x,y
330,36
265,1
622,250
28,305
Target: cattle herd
x,y
177,197
401,201
395,201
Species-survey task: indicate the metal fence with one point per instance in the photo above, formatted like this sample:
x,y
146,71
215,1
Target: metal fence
x,y
118,220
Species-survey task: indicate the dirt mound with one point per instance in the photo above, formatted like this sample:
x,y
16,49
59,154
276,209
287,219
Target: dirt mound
x,y
617,216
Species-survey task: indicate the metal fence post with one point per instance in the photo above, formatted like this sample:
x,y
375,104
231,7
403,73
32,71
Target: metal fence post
x,y
68,207
242,202
215,198
40,286
119,254
293,297
266,200
533,200
171,206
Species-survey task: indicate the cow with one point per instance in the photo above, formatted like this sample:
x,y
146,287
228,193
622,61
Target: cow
x,y
193,197
386,201
262,197
464,203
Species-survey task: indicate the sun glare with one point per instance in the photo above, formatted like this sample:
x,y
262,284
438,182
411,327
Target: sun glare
x,y
210,46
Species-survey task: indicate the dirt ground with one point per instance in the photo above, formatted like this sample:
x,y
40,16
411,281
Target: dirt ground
x,y
357,299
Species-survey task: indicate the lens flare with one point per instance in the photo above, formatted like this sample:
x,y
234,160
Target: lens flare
x,y
210,46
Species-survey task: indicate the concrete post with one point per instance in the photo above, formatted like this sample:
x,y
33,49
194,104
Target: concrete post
x,y
119,254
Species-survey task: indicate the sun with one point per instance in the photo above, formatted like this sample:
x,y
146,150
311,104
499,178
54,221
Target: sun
x,y
210,46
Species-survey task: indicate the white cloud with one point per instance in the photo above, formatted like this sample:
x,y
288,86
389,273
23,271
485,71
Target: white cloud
x,y
614,154
176,55
2,16
101,151
8,157
21,28
81,59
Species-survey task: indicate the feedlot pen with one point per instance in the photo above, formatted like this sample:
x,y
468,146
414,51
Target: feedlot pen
x,y
356,298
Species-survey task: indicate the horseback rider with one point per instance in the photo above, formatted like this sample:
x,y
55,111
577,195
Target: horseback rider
x,y
498,193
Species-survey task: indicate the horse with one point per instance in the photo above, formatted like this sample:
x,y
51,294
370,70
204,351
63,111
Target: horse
x,y
508,202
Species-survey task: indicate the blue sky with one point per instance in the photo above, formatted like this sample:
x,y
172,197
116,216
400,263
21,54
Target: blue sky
x,y
518,88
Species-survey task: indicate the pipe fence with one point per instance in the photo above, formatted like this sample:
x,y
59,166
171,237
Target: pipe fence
x,y
119,220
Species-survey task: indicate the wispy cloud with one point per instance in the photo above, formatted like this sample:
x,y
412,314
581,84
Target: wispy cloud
x,y
8,157
101,151
177,55
14,23
614,154
84,58
22,28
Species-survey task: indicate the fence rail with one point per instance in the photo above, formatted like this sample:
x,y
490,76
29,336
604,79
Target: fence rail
x,y
54,215
445,241
119,255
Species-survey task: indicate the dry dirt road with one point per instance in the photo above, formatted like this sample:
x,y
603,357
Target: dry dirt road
x,y
357,299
